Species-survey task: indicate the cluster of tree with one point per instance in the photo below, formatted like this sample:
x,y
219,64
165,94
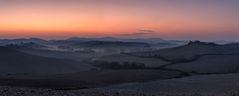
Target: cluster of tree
x,y
203,43
117,65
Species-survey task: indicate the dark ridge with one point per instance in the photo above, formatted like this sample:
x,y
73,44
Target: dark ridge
x,y
202,43
25,45
111,44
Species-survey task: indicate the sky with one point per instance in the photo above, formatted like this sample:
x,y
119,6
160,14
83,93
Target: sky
x,y
170,19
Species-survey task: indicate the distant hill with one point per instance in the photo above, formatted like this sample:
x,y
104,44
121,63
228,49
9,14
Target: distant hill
x,y
198,57
109,44
201,57
14,62
155,43
22,40
30,45
77,40
143,40
191,50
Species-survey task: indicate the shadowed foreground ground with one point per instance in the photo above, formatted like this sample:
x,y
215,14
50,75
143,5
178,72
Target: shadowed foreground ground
x,y
21,91
205,85
87,79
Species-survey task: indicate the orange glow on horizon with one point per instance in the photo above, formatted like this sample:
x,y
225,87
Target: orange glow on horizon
x,y
49,18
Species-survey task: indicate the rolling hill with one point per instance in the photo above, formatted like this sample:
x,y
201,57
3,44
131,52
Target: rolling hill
x,y
210,64
14,62
107,44
22,40
198,57
106,39
192,49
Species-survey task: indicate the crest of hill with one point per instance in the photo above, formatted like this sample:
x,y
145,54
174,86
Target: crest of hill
x,y
192,49
111,44
30,45
22,40
144,40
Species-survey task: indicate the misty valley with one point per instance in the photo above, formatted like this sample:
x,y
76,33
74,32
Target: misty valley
x,y
118,67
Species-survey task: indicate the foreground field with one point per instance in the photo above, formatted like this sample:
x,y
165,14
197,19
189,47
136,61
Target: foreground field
x,y
87,79
207,85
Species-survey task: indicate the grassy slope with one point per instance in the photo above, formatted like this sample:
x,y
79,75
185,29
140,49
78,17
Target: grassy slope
x,y
87,78
205,85
192,49
14,62
210,64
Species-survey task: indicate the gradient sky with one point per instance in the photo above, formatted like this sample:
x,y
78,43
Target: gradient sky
x,y
170,19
